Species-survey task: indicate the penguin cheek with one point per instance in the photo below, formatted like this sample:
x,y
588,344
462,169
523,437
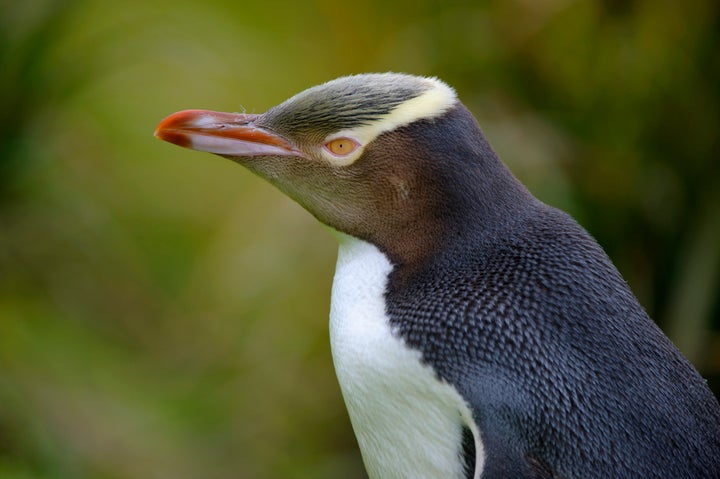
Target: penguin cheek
x,y
270,169
338,197
332,200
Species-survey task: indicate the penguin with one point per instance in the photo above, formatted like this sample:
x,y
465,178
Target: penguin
x,y
476,332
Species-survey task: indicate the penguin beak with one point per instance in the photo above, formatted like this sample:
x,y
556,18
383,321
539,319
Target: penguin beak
x,y
226,134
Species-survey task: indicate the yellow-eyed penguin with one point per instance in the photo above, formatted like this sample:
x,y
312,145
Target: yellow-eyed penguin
x,y
476,332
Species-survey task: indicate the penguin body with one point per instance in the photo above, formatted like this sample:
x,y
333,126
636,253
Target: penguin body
x,y
476,332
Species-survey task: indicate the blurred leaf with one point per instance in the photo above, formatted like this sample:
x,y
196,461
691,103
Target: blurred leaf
x,y
164,313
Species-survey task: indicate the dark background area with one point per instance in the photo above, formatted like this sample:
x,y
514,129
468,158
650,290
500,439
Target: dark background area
x,y
163,313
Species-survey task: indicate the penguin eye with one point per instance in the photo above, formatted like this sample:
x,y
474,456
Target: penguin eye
x,y
341,146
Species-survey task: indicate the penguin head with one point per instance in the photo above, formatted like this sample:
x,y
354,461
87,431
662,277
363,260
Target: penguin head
x,y
388,158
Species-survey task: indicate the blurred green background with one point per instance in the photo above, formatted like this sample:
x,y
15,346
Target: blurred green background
x,y
163,313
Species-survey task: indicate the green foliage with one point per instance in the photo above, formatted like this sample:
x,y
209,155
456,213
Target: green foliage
x,y
164,313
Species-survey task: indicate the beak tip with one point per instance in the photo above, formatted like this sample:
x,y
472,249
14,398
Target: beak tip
x,y
173,128
174,136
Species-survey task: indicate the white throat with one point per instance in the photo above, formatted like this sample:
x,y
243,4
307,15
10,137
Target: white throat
x,y
408,423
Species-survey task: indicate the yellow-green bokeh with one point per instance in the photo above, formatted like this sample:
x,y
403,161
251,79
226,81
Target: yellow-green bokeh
x,y
163,313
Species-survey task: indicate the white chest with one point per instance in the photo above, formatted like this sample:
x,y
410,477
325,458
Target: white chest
x,y
408,424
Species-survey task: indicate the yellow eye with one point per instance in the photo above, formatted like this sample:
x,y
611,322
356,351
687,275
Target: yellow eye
x,y
341,146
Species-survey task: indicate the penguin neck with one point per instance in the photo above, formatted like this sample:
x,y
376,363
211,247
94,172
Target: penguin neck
x,y
462,194
479,211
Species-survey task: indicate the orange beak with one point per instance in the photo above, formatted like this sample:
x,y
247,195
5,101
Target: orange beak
x,y
226,134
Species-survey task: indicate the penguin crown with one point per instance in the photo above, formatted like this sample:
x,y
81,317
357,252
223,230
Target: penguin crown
x,y
357,109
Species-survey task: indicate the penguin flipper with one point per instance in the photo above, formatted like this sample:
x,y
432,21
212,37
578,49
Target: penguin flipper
x,y
531,468
505,457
